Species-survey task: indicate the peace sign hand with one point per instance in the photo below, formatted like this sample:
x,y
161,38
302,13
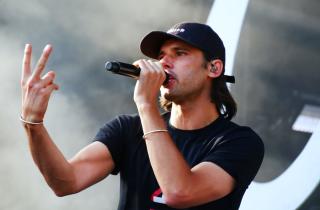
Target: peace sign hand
x,y
36,90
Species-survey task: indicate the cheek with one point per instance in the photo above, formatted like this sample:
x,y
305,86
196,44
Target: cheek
x,y
189,70
191,74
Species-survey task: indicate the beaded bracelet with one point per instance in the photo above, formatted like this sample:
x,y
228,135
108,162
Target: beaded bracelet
x,y
154,131
29,122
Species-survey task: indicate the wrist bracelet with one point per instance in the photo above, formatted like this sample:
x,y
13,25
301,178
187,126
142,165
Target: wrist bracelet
x,y
154,131
29,122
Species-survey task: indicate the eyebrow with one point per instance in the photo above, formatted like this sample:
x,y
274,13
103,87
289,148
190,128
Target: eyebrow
x,y
176,48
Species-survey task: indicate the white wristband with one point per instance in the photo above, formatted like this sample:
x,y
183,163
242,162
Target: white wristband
x,y
154,131
29,122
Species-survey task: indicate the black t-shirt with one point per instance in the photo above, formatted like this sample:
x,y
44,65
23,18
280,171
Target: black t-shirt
x,y
236,149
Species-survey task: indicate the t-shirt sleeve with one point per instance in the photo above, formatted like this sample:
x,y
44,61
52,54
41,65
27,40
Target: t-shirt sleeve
x,y
239,153
112,135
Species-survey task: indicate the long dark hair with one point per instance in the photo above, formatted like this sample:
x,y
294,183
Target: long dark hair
x,y
220,94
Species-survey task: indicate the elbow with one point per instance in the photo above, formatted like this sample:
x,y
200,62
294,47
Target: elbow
x,y
178,199
62,187
62,193
187,199
62,190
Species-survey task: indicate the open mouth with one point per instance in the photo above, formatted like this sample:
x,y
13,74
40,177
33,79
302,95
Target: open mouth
x,y
169,80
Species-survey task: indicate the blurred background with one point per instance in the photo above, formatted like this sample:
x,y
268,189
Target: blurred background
x,y
276,69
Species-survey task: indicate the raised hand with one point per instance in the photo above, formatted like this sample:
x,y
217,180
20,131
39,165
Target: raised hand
x,y
36,89
150,80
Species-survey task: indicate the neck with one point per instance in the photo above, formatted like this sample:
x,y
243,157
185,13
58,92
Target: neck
x,y
194,115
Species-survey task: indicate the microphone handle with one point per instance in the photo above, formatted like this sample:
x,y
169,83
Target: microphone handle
x,y
123,69
126,69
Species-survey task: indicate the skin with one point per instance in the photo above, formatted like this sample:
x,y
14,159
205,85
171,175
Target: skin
x,y
188,88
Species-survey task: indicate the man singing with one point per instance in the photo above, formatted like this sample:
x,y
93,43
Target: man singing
x,y
190,157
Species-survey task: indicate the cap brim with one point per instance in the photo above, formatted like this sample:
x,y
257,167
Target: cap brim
x,y
152,42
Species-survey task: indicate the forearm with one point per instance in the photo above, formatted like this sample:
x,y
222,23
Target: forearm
x,y
171,170
56,170
169,166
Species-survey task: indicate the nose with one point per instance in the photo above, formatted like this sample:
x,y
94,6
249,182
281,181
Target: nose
x,y
166,62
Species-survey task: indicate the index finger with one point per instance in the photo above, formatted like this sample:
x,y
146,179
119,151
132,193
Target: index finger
x,y
136,63
42,62
26,70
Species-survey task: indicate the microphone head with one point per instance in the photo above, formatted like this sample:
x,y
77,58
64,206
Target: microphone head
x,y
112,66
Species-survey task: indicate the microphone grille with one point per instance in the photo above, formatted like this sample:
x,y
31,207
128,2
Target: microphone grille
x,y
112,66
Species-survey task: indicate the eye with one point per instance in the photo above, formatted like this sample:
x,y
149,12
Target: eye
x,y
181,52
160,56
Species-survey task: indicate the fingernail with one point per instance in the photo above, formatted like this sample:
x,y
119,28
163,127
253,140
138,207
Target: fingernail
x,y
27,47
47,47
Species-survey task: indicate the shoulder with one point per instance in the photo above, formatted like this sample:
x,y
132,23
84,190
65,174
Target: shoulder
x,y
123,120
239,150
242,140
235,132
119,125
128,118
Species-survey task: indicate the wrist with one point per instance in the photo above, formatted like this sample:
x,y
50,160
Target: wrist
x,y
31,116
28,123
148,111
146,106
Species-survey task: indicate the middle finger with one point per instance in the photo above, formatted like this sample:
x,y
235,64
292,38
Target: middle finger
x,y
41,62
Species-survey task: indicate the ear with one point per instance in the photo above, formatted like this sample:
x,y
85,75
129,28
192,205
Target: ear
x,y
215,68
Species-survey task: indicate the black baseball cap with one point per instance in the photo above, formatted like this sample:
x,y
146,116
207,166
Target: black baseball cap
x,y
197,35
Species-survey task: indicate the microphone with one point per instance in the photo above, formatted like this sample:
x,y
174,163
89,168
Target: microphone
x,y
126,69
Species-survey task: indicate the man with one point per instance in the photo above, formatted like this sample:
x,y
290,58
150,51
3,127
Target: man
x,y
192,157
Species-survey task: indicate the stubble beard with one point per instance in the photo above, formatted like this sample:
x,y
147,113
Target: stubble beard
x,y
178,97
167,98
